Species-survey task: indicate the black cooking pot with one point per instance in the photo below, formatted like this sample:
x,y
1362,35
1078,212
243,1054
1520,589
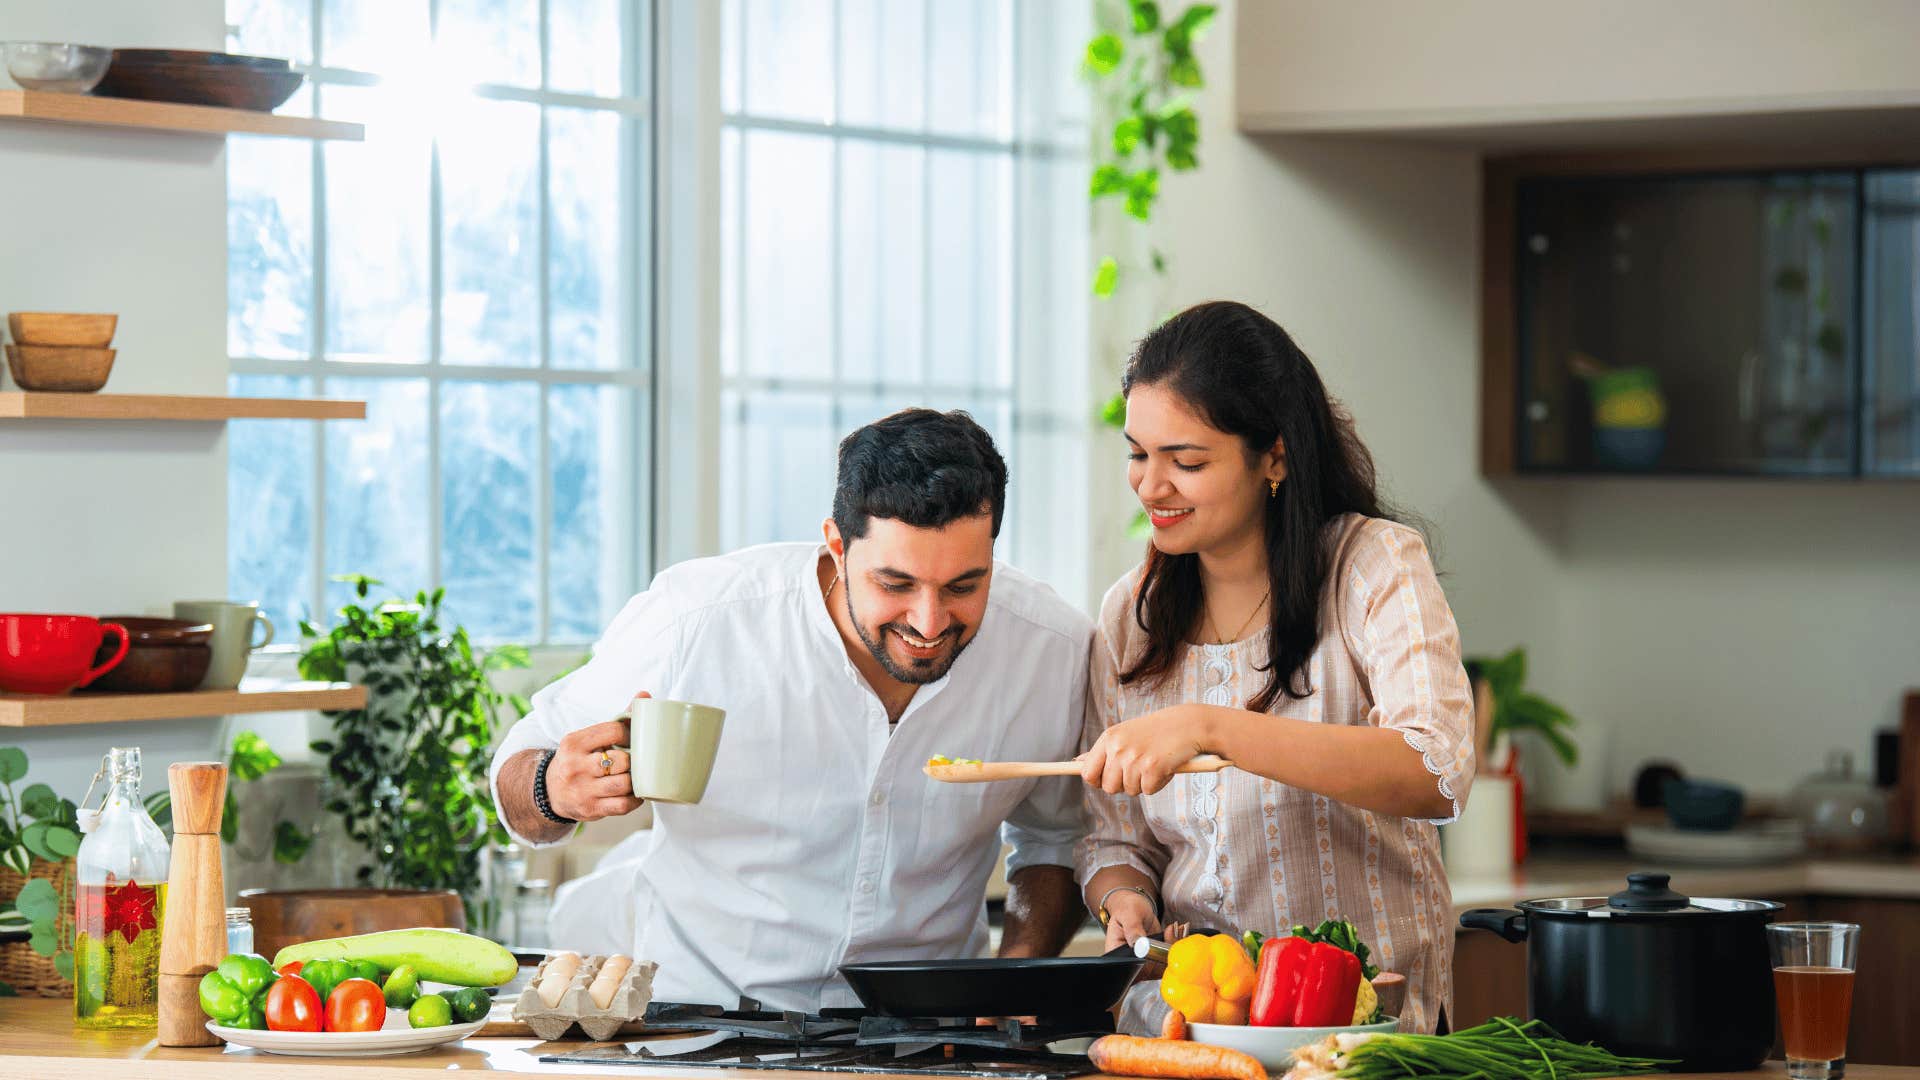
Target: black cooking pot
x,y
1649,972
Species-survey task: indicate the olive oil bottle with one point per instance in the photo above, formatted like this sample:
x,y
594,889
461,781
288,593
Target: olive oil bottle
x,y
120,896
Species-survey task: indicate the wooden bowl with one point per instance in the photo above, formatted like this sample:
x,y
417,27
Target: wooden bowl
x,y
59,368
229,86
288,917
197,56
61,328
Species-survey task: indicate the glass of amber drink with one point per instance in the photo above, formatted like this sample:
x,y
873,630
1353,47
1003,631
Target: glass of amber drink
x,y
1813,980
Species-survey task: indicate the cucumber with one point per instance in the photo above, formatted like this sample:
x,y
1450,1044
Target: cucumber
x,y
446,956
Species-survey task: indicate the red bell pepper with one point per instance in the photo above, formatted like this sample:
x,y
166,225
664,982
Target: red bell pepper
x,y
1328,984
1276,985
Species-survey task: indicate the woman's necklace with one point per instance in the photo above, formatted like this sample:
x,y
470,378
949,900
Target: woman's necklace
x,y
1212,626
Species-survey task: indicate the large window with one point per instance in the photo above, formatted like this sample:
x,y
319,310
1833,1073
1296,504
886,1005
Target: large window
x,y
475,271
903,222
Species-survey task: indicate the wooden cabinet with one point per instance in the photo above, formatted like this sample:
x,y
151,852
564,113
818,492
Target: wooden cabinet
x,y
1388,67
1886,985
1489,978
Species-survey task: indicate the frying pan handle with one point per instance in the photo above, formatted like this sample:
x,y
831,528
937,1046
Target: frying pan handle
x,y
1506,922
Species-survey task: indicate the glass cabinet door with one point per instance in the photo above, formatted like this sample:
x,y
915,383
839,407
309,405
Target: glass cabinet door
x,y
1890,435
1690,324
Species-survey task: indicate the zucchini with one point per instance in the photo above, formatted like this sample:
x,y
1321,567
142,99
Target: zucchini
x,y
445,956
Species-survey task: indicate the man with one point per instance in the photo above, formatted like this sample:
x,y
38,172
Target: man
x,y
842,668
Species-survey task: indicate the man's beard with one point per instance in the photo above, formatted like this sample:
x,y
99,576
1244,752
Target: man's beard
x,y
920,671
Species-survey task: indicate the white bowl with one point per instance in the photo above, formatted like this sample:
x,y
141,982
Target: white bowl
x,y
1274,1046
68,69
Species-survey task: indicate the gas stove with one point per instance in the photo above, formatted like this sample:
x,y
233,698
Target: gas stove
x,y
849,1040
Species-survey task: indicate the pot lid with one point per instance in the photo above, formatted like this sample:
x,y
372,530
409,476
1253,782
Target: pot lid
x,y
1646,894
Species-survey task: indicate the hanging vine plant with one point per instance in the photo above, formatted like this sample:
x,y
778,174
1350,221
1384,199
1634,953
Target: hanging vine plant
x,y
1146,65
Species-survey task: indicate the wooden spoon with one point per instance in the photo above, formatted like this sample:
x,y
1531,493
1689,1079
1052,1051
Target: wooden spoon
x,y
971,773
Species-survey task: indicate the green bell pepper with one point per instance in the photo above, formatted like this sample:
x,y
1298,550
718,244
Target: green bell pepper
x,y
366,969
324,975
236,988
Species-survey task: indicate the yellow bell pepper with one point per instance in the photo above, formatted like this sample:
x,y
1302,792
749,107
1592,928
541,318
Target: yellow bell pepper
x,y
1209,979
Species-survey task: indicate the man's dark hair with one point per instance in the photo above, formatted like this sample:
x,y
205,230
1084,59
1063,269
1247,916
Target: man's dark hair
x,y
924,468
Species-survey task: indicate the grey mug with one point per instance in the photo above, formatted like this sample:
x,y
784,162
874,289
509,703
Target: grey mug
x,y
233,634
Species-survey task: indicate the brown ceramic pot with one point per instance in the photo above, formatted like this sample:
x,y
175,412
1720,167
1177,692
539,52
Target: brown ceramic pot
x,y
288,917
165,656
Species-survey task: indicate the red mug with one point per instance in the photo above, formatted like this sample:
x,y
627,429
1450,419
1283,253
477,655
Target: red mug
x,y
52,654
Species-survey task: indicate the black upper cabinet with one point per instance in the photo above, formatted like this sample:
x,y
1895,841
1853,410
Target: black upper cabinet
x,y
1890,312
1712,324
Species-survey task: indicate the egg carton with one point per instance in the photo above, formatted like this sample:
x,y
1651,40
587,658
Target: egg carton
x,y
575,1004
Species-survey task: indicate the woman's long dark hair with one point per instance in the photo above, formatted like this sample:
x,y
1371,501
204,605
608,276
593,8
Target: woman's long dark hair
x,y
1242,374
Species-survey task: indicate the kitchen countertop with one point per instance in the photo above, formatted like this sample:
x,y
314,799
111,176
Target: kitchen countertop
x,y
1551,875
38,1040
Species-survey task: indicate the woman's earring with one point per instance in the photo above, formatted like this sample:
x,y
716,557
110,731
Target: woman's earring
x,y
1273,489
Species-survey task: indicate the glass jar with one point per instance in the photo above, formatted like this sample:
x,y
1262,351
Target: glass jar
x,y
531,904
120,899
506,869
1841,813
239,930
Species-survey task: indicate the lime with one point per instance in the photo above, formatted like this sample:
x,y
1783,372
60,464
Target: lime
x,y
431,1010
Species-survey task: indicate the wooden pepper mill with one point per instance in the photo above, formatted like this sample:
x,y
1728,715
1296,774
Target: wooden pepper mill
x,y
193,940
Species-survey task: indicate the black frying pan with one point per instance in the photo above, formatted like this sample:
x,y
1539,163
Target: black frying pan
x,y
1064,985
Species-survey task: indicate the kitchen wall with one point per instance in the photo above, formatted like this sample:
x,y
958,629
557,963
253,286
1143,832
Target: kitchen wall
x,y
1740,629
116,517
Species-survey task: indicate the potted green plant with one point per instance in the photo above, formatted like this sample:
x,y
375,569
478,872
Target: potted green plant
x,y
1515,709
407,774
1490,835
39,833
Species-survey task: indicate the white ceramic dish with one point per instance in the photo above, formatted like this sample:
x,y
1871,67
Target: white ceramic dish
x,y
395,1038
1745,845
1274,1046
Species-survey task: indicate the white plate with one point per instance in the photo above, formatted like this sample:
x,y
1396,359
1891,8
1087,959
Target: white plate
x,y
1274,1046
1745,845
394,1038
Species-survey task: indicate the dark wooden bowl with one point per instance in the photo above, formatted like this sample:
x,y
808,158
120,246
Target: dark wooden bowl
x,y
164,656
196,56
230,86
288,917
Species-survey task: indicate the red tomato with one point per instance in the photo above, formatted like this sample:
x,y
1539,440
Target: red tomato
x,y
291,967
356,1005
292,1005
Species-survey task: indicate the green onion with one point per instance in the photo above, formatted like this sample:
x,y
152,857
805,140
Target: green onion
x,y
1501,1049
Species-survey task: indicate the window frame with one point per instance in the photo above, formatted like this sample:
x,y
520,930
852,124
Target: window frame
x,y
1043,411
640,262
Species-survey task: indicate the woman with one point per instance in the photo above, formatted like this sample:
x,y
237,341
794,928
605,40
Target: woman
x,y
1284,621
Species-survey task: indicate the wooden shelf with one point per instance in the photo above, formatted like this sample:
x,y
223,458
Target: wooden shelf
x,y
254,695
25,405
166,116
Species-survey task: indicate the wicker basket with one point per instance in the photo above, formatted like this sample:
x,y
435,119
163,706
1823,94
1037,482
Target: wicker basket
x,y
29,973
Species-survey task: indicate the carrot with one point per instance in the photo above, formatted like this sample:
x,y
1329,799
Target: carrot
x,y
1175,1026
1127,1055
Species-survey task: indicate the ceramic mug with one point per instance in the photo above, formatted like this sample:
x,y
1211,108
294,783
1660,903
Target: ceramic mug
x,y
52,654
233,631
673,744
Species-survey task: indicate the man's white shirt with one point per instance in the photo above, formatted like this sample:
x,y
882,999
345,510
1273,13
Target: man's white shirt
x,y
819,840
